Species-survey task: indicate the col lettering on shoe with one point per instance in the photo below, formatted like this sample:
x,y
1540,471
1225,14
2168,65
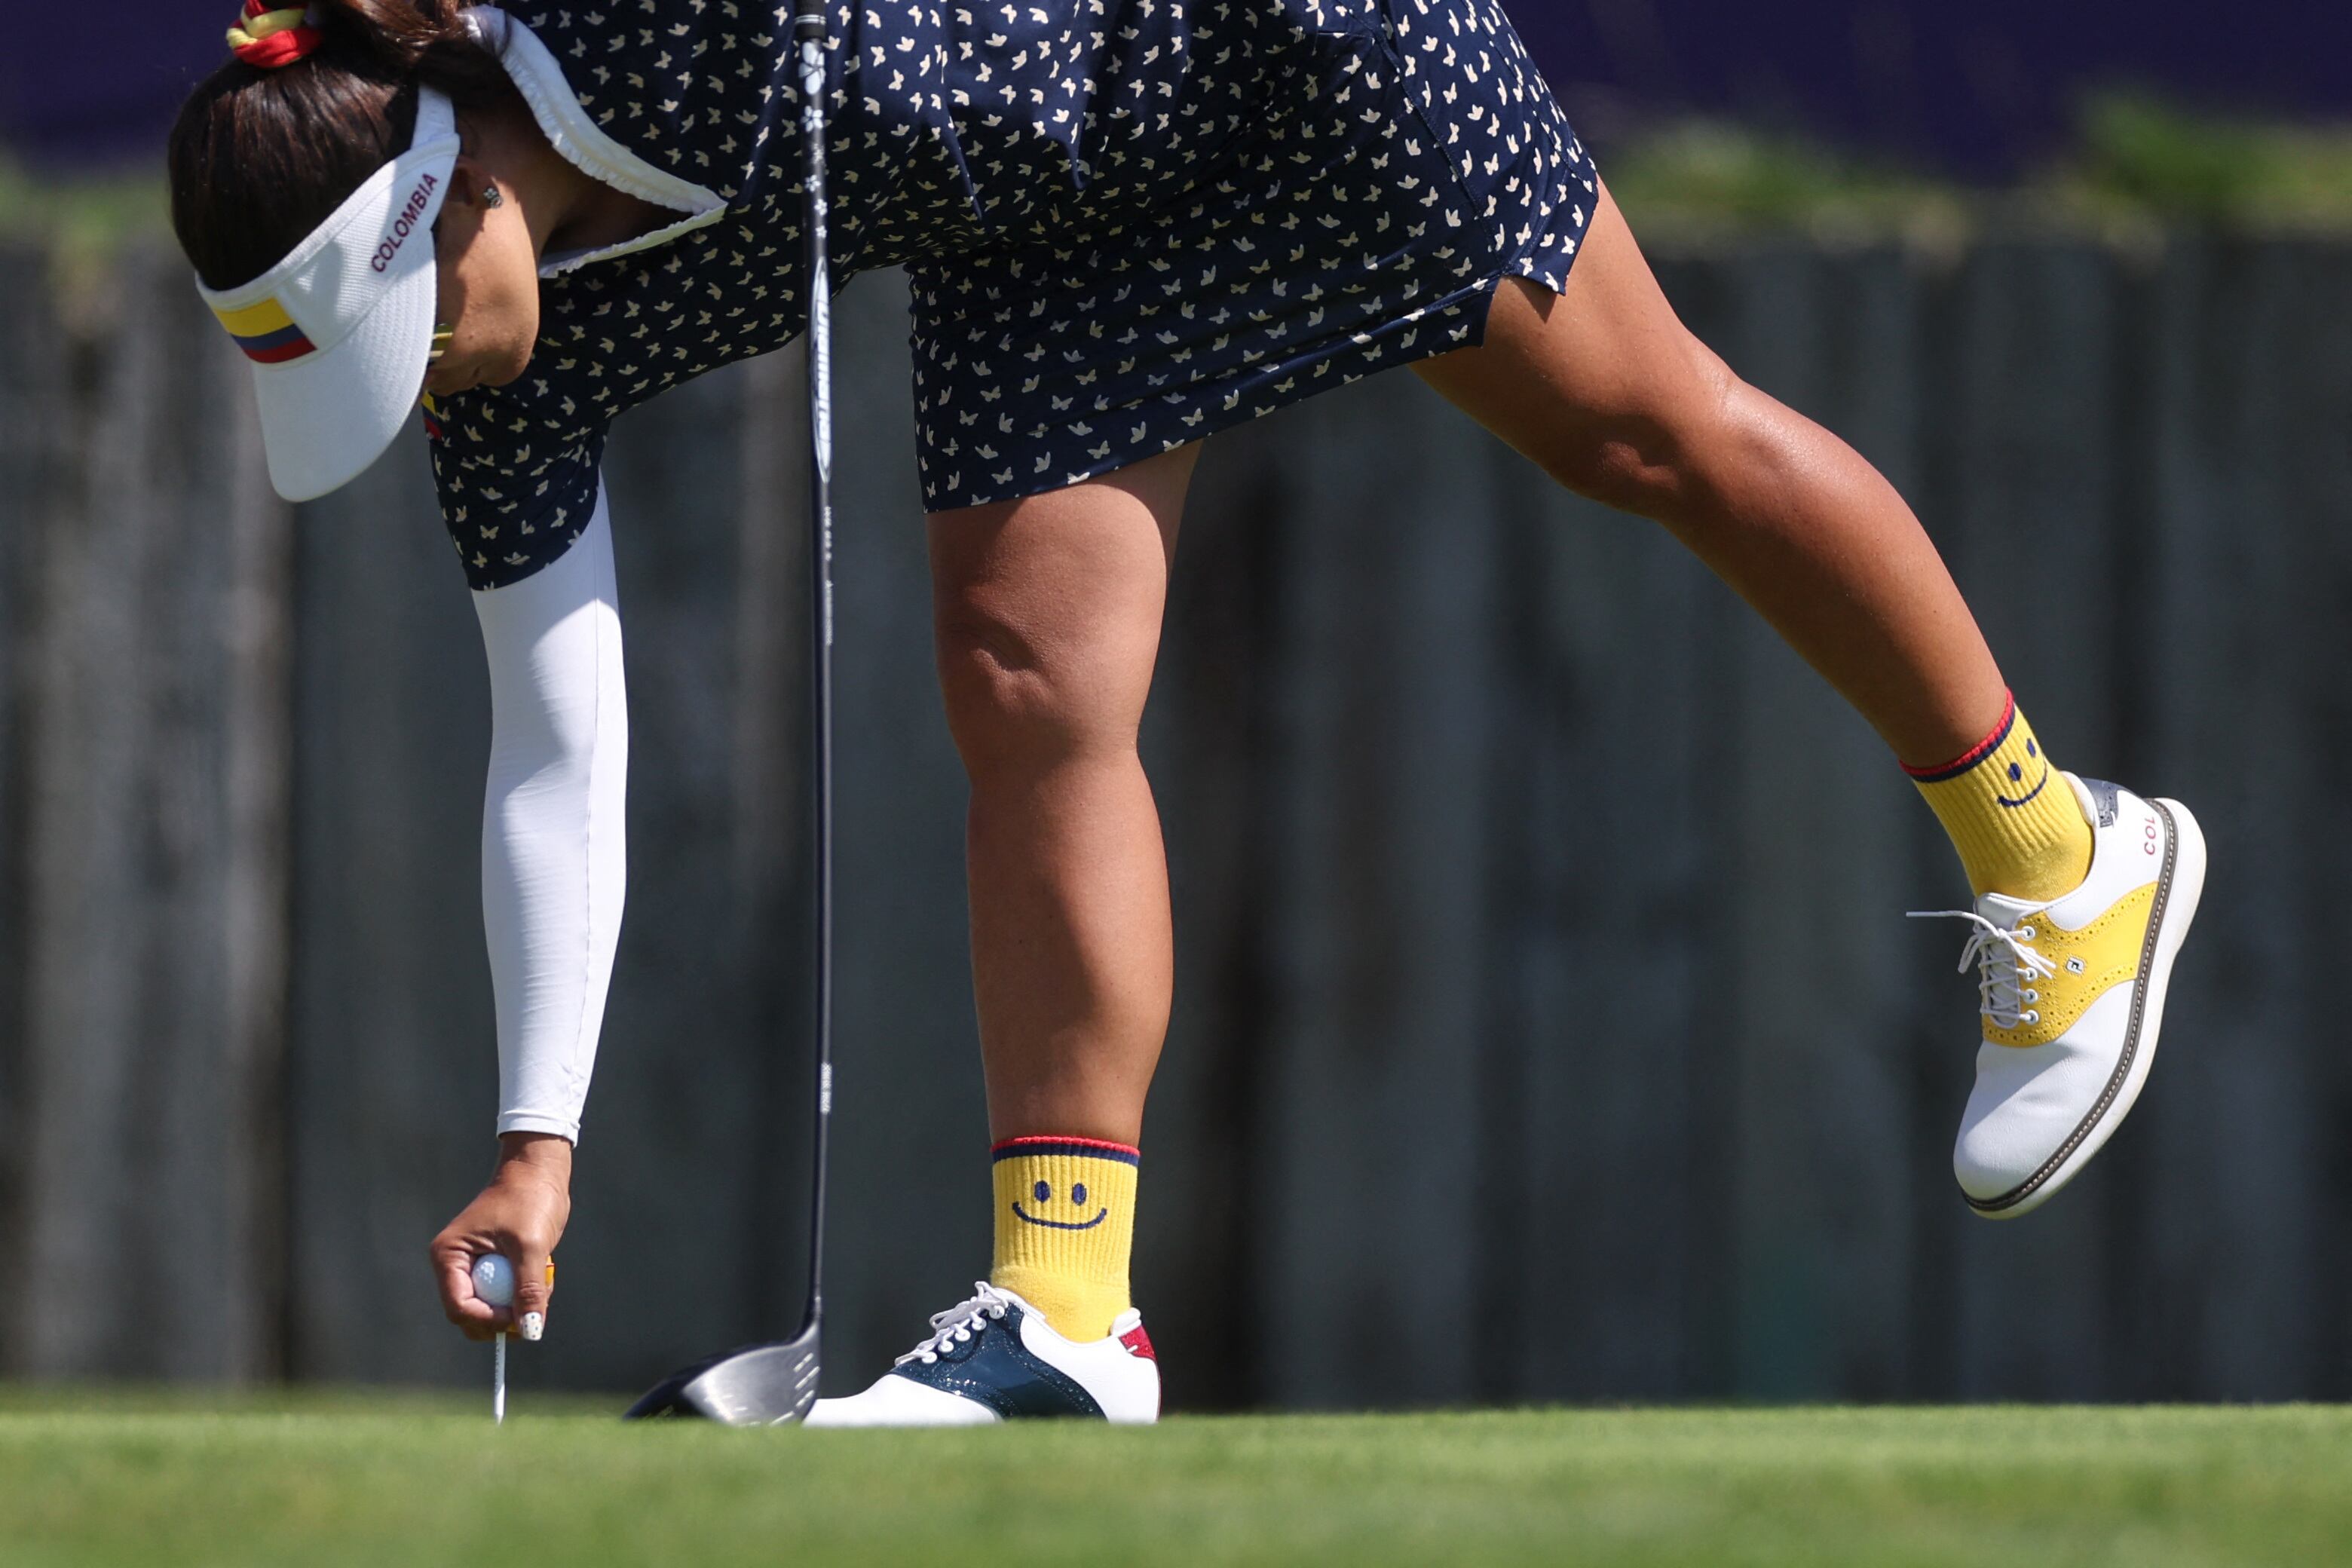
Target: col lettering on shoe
x,y
338,331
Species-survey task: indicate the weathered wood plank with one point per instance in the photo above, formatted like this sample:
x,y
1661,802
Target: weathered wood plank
x,y
1601,966
1810,855
35,434
1381,938
152,962
2241,641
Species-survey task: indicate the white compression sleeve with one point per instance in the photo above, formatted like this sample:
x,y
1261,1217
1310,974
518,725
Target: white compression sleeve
x,y
554,867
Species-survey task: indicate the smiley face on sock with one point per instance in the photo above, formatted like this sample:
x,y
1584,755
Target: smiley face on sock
x,y
1073,1202
2017,776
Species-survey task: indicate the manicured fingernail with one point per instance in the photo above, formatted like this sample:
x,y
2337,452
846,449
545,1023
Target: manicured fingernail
x,y
533,1325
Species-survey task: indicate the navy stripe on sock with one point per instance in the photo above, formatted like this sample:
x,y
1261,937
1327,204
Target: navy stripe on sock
x,y
1083,1148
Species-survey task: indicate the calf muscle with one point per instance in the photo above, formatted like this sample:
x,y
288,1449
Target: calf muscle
x,y
1606,389
1048,613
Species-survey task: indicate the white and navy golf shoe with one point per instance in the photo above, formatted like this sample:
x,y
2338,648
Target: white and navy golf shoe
x,y
994,1358
2072,990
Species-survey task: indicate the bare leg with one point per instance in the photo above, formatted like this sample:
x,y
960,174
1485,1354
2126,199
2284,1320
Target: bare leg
x,y
1047,613
1607,390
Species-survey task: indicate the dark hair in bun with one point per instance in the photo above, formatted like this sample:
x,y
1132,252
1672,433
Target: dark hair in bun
x,y
261,156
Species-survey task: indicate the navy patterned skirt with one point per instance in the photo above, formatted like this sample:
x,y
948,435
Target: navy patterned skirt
x,y
1338,190
1128,223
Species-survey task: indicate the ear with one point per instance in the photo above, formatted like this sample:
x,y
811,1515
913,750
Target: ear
x,y
468,179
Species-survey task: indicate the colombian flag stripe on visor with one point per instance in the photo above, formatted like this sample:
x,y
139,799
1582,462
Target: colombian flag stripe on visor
x,y
266,332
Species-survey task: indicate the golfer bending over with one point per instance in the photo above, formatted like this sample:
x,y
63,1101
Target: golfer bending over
x,y
1128,225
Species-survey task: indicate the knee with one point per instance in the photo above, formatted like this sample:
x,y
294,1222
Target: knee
x,y
1667,447
1021,700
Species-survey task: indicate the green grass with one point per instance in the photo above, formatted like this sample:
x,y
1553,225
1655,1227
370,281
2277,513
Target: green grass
x,y
367,1479
1706,176
2140,156
89,214
2136,164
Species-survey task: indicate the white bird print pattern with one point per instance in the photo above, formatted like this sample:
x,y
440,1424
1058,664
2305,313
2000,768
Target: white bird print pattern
x,y
1126,225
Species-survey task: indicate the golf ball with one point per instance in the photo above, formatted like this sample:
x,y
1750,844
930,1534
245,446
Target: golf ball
x,y
494,1280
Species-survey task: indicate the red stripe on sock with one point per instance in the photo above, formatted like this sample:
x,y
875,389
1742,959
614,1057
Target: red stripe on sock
x,y
1106,1146
1975,754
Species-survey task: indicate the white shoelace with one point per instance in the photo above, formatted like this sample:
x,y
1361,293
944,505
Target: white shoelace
x,y
2006,967
955,1325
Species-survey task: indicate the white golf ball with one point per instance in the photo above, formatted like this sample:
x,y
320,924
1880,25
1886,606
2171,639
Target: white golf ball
x,y
494,1280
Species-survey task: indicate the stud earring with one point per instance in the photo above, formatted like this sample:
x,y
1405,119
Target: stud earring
x,y
442,334
493,197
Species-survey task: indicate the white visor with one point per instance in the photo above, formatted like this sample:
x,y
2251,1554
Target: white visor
x,y
340,330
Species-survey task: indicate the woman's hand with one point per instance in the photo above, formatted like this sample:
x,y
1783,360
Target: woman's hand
x,y
522,1213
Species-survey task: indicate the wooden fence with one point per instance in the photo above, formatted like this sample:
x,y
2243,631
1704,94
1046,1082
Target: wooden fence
x,y
1548,1024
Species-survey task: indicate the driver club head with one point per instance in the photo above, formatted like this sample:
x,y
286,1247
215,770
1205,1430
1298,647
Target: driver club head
x,y
759,1385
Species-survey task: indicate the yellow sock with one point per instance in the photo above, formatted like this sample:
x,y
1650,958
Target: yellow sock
x,y
1064,1223
2014,820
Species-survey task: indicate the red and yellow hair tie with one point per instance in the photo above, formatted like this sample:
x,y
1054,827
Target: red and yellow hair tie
x,y
268,39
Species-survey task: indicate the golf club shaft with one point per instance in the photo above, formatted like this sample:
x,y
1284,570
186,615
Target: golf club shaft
x,y
811,23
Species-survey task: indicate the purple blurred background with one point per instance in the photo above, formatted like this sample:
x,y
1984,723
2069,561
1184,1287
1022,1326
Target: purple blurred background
x,y
1975,87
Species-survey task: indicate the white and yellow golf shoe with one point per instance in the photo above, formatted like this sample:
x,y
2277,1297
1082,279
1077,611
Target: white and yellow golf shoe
x,y
2073,995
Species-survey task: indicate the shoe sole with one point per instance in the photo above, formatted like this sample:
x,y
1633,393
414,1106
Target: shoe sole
x,y
2179,884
